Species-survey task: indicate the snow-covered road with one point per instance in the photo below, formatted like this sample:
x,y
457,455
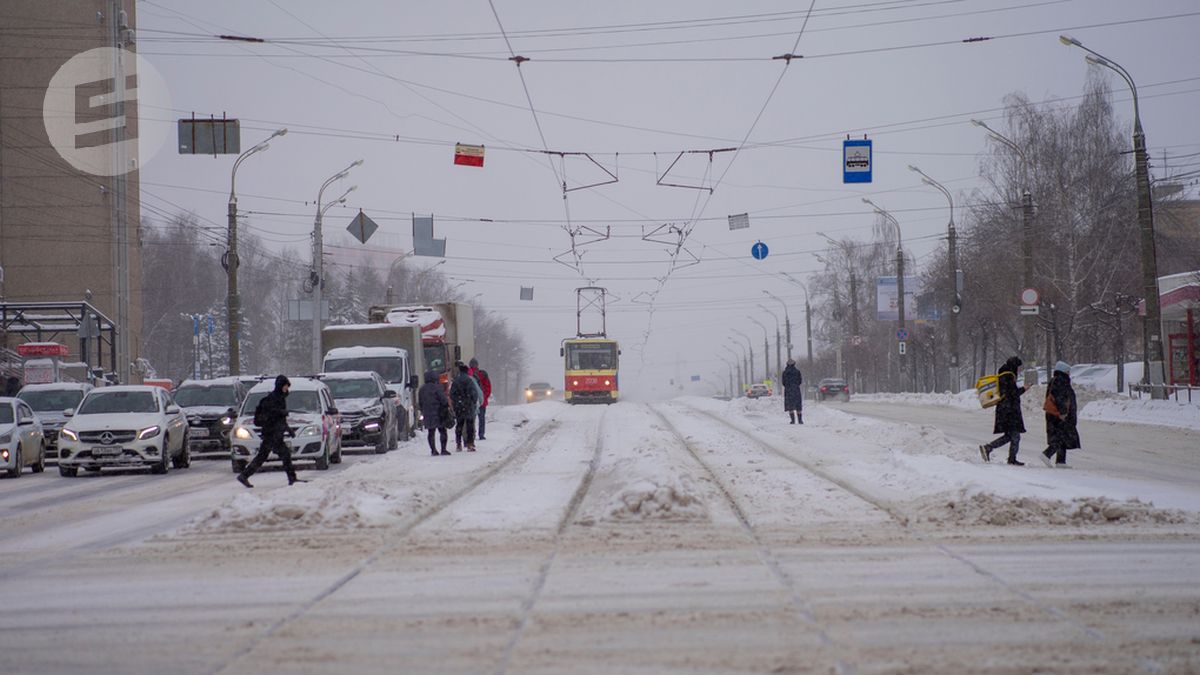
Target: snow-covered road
x,y
683,536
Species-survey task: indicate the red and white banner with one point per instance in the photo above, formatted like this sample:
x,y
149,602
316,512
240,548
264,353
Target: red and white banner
x,y
468,155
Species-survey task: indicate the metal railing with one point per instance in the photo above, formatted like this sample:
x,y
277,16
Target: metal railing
x,y
1177,392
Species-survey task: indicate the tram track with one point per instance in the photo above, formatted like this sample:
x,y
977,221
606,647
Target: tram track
x,y
903,522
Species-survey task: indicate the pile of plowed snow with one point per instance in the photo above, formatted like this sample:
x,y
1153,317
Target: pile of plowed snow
x,y
984,508
668,500
1143,411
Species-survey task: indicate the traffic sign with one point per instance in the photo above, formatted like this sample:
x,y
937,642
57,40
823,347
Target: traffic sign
x,y
902,334
1029,310
759,250
903,347
362,227
856,161
1030,296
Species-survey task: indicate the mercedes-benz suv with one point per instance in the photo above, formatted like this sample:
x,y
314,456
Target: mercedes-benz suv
x,y
124,426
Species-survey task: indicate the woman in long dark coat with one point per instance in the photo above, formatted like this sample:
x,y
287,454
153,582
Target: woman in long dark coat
x,y
793,392
1010,424
1062,432
435,410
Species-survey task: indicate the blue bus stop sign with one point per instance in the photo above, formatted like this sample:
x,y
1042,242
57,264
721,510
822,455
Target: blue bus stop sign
x,y
856,161
759,250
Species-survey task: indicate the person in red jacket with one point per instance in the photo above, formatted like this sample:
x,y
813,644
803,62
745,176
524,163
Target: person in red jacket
x,y
485,383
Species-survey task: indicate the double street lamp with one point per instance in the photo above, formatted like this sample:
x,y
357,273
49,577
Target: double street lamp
x,y
778,340
900,304
766,346
807,318
1152,321
318,279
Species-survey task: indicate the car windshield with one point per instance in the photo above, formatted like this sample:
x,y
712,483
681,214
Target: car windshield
x,y
390,368
52,400
189,396
6,414
435,357
540,385
364,388
103,402
298,402
591,356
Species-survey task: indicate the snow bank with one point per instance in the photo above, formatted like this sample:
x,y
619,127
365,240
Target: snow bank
x,y
983,508
671,499
1031,401
1143,411
964,400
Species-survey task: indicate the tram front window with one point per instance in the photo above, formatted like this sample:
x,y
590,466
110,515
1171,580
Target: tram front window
x,y
591,357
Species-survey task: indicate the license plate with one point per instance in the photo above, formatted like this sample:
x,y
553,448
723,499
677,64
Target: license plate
x,y
106,450
199,432
347,427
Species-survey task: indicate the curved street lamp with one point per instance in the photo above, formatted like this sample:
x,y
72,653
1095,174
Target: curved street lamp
x,y
750,348
955,299
900,300
318,257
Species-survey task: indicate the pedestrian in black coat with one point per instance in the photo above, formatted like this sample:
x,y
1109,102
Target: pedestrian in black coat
x,y
1010,424
271,418
464,395
793,392
1062,431
435,410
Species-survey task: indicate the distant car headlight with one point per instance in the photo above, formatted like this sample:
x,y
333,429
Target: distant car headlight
x,y
528,394
309,430
68,434
227,421
149,432
242,433
549,391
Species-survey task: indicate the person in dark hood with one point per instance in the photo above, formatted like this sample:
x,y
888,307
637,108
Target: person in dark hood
x,y
435,410
1010,424
465,395
793,392
1062,432
270,416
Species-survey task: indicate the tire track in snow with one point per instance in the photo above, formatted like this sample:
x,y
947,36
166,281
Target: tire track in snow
x,y
1049,609
396,537
799,604
539,583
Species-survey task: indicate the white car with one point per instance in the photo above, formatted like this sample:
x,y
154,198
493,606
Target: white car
x,y
311,416
49,402
124,426
21,441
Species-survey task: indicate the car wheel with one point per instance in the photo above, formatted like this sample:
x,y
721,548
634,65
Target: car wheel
x,y
238,467
41,463
383,444
164,458
337,454
15,472
68,471
185,455
323,460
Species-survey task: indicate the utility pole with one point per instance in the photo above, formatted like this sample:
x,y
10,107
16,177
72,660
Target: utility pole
x,y
120,185
854,335
750,351
955,299
318,279
230,261
899,281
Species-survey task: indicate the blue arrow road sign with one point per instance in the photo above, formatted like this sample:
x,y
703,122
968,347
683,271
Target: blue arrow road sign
x,y
759,250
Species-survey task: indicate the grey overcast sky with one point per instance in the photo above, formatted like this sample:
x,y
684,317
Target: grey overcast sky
x,y
633,83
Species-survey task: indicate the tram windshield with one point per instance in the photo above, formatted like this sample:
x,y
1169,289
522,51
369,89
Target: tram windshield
x,y
592,356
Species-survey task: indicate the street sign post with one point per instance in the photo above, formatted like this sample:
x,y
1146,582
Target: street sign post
x,y
759,250
856,161
1029,301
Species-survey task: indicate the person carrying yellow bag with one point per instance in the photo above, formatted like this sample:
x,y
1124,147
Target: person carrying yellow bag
x,y
1009,421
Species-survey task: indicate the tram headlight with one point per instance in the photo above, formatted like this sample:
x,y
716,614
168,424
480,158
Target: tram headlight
x,y
607,383
574,383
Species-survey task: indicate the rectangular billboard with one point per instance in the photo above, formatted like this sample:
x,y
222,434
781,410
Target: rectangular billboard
x,y
886,304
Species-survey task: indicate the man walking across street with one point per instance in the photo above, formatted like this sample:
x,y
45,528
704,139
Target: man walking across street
x,y
270,416
1009,421
435,410
793,392
485,385
464,395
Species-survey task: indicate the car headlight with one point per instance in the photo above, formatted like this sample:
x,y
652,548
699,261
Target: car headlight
x,y
149,432
309,430
68,434
227,421
6,438
373,411
548,392
242,433
528,393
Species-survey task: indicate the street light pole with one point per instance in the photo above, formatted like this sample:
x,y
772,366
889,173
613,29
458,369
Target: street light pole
x,y
955,300
1027,320
750,350
787,320
318,278
1152,322
807,319
737,359
230,261
766,346
778,341
900,303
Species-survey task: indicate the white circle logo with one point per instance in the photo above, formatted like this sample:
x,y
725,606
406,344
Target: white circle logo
x,y
86,109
